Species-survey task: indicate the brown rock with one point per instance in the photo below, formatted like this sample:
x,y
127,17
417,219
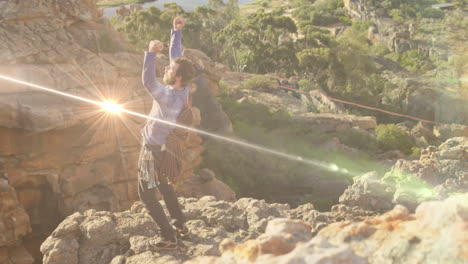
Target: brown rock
x,y
205,184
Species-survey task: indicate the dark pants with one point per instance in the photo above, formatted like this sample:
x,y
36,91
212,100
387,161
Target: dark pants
x,y
148,197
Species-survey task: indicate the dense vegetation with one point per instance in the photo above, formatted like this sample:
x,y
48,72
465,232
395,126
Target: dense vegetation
x,y
295,40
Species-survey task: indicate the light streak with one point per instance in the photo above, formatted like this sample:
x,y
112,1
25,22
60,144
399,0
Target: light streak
x,y
112,107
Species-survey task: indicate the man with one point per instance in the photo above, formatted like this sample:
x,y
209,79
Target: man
x,y
160,157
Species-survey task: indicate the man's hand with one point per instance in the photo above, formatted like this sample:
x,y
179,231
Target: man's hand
x,y
156,46
178,23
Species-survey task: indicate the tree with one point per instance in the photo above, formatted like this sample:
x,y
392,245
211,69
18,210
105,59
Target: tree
x,y
261,41
141,27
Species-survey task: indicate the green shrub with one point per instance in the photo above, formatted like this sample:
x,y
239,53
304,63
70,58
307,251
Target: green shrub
x,y
380,49
305,85
415,152
314,59
225,88
257,82
397,15
414,61
430,12
362,26
390,137
346,20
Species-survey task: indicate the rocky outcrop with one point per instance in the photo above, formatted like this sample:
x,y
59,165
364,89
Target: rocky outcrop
x,y
317,101
252,231
325,123
445,132
436,232
126,237
395,36
14,226
439,173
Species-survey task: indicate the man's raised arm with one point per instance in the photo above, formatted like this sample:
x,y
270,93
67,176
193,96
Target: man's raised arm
x,y
154,87
175,48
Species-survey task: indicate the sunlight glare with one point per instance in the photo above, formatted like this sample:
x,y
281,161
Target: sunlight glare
x,y
111,107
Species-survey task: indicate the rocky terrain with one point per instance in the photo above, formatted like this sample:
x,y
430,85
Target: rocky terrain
x,y
252,231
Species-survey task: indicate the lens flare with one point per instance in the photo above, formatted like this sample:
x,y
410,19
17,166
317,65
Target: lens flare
x,y
115,108
111,107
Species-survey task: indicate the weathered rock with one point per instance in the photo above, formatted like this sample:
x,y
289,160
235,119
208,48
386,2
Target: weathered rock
x,y
105,237
436,231
206,184
445,132
440,172
14,225
330,123
319,100
369,193
214,119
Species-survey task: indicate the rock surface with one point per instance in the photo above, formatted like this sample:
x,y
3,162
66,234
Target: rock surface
x,y
325,123
252,231
439,173
14,226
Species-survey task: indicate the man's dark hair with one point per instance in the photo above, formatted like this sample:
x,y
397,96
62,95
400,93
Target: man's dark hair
x,y
185,70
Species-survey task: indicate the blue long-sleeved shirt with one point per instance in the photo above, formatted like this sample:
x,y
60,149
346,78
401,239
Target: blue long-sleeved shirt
x,y
168,102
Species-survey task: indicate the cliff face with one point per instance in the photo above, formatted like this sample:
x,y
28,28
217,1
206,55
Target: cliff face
x,y
63,155
55,141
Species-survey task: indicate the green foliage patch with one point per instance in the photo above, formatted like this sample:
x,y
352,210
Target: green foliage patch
x,y
390,137
257,82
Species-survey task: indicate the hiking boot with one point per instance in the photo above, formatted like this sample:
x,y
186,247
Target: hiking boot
x,y
164,244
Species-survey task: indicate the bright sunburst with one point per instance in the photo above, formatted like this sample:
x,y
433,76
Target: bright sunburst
x,y
111,107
